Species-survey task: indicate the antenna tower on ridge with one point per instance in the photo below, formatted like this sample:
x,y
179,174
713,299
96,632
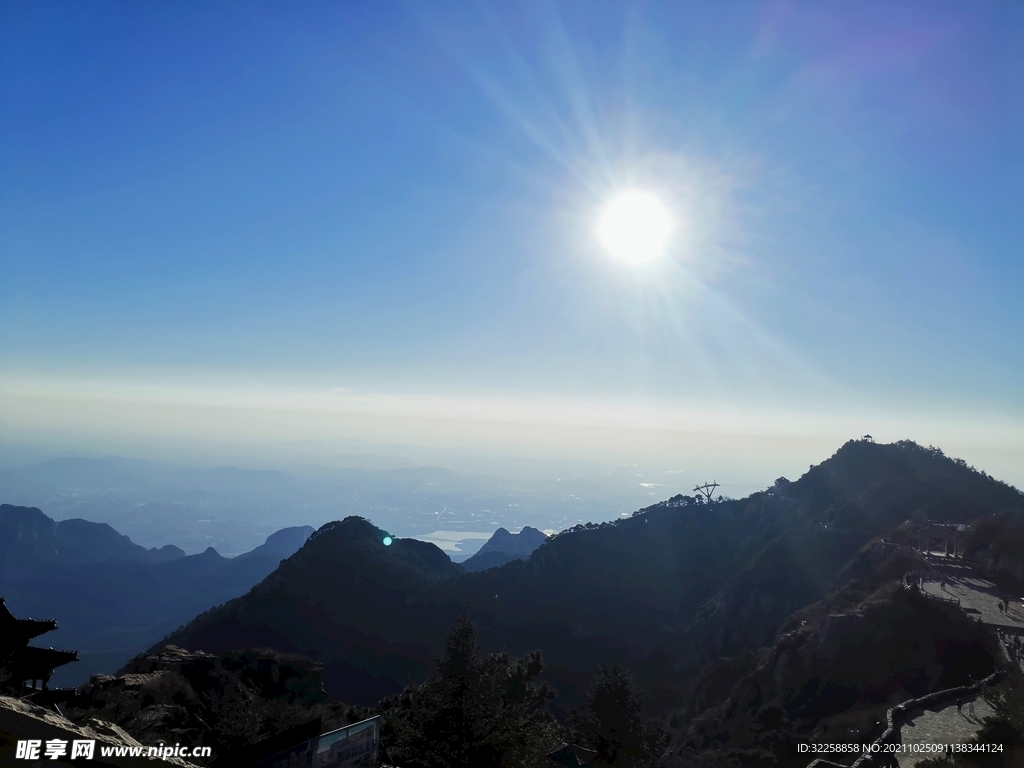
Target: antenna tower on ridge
x,y
706,490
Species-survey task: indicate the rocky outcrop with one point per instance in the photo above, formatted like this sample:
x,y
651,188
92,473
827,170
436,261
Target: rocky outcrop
x,y
191,697
20,720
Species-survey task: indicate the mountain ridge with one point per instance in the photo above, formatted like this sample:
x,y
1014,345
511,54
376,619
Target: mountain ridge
x,y
663,591
112,596
26,532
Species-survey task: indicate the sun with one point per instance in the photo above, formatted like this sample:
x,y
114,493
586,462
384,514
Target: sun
x,y
635,226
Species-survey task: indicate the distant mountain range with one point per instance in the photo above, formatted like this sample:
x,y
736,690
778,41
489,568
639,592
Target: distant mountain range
x,y
750,624
234,509
504,547
677,585
110,596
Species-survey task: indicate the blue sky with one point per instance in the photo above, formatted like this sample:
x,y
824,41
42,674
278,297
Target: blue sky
x,y
267,206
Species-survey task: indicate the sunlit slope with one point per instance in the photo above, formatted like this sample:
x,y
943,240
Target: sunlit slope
x,y
663,591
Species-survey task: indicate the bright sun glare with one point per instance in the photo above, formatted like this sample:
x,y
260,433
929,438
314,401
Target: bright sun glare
x,y
634,227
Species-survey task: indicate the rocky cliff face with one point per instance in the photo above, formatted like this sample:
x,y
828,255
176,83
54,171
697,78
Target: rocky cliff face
x,y
22,720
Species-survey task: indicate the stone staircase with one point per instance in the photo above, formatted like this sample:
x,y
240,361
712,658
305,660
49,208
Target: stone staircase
x,y
949,580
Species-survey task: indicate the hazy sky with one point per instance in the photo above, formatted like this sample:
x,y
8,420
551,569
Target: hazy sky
x,y
296,223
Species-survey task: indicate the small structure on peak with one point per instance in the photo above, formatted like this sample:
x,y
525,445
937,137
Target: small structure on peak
x,y
706,490
26,663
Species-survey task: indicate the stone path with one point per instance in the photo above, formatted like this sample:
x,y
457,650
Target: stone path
x,y
979,598
942,726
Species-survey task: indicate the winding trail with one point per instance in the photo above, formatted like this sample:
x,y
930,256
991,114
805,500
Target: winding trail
x,y
953,580
979,599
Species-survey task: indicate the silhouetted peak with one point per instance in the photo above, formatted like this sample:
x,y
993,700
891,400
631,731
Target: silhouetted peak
x,y
288,539
166,552
281,544
352,526
23,515
28,534
503,547
358,545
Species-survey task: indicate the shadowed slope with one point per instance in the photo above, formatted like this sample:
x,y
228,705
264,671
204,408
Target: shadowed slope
x,y
342,600
113,597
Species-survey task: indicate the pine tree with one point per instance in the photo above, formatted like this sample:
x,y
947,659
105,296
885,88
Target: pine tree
x,y
488,712
613,722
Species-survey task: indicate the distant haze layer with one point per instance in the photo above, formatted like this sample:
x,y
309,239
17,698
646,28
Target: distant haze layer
x,y
276,426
